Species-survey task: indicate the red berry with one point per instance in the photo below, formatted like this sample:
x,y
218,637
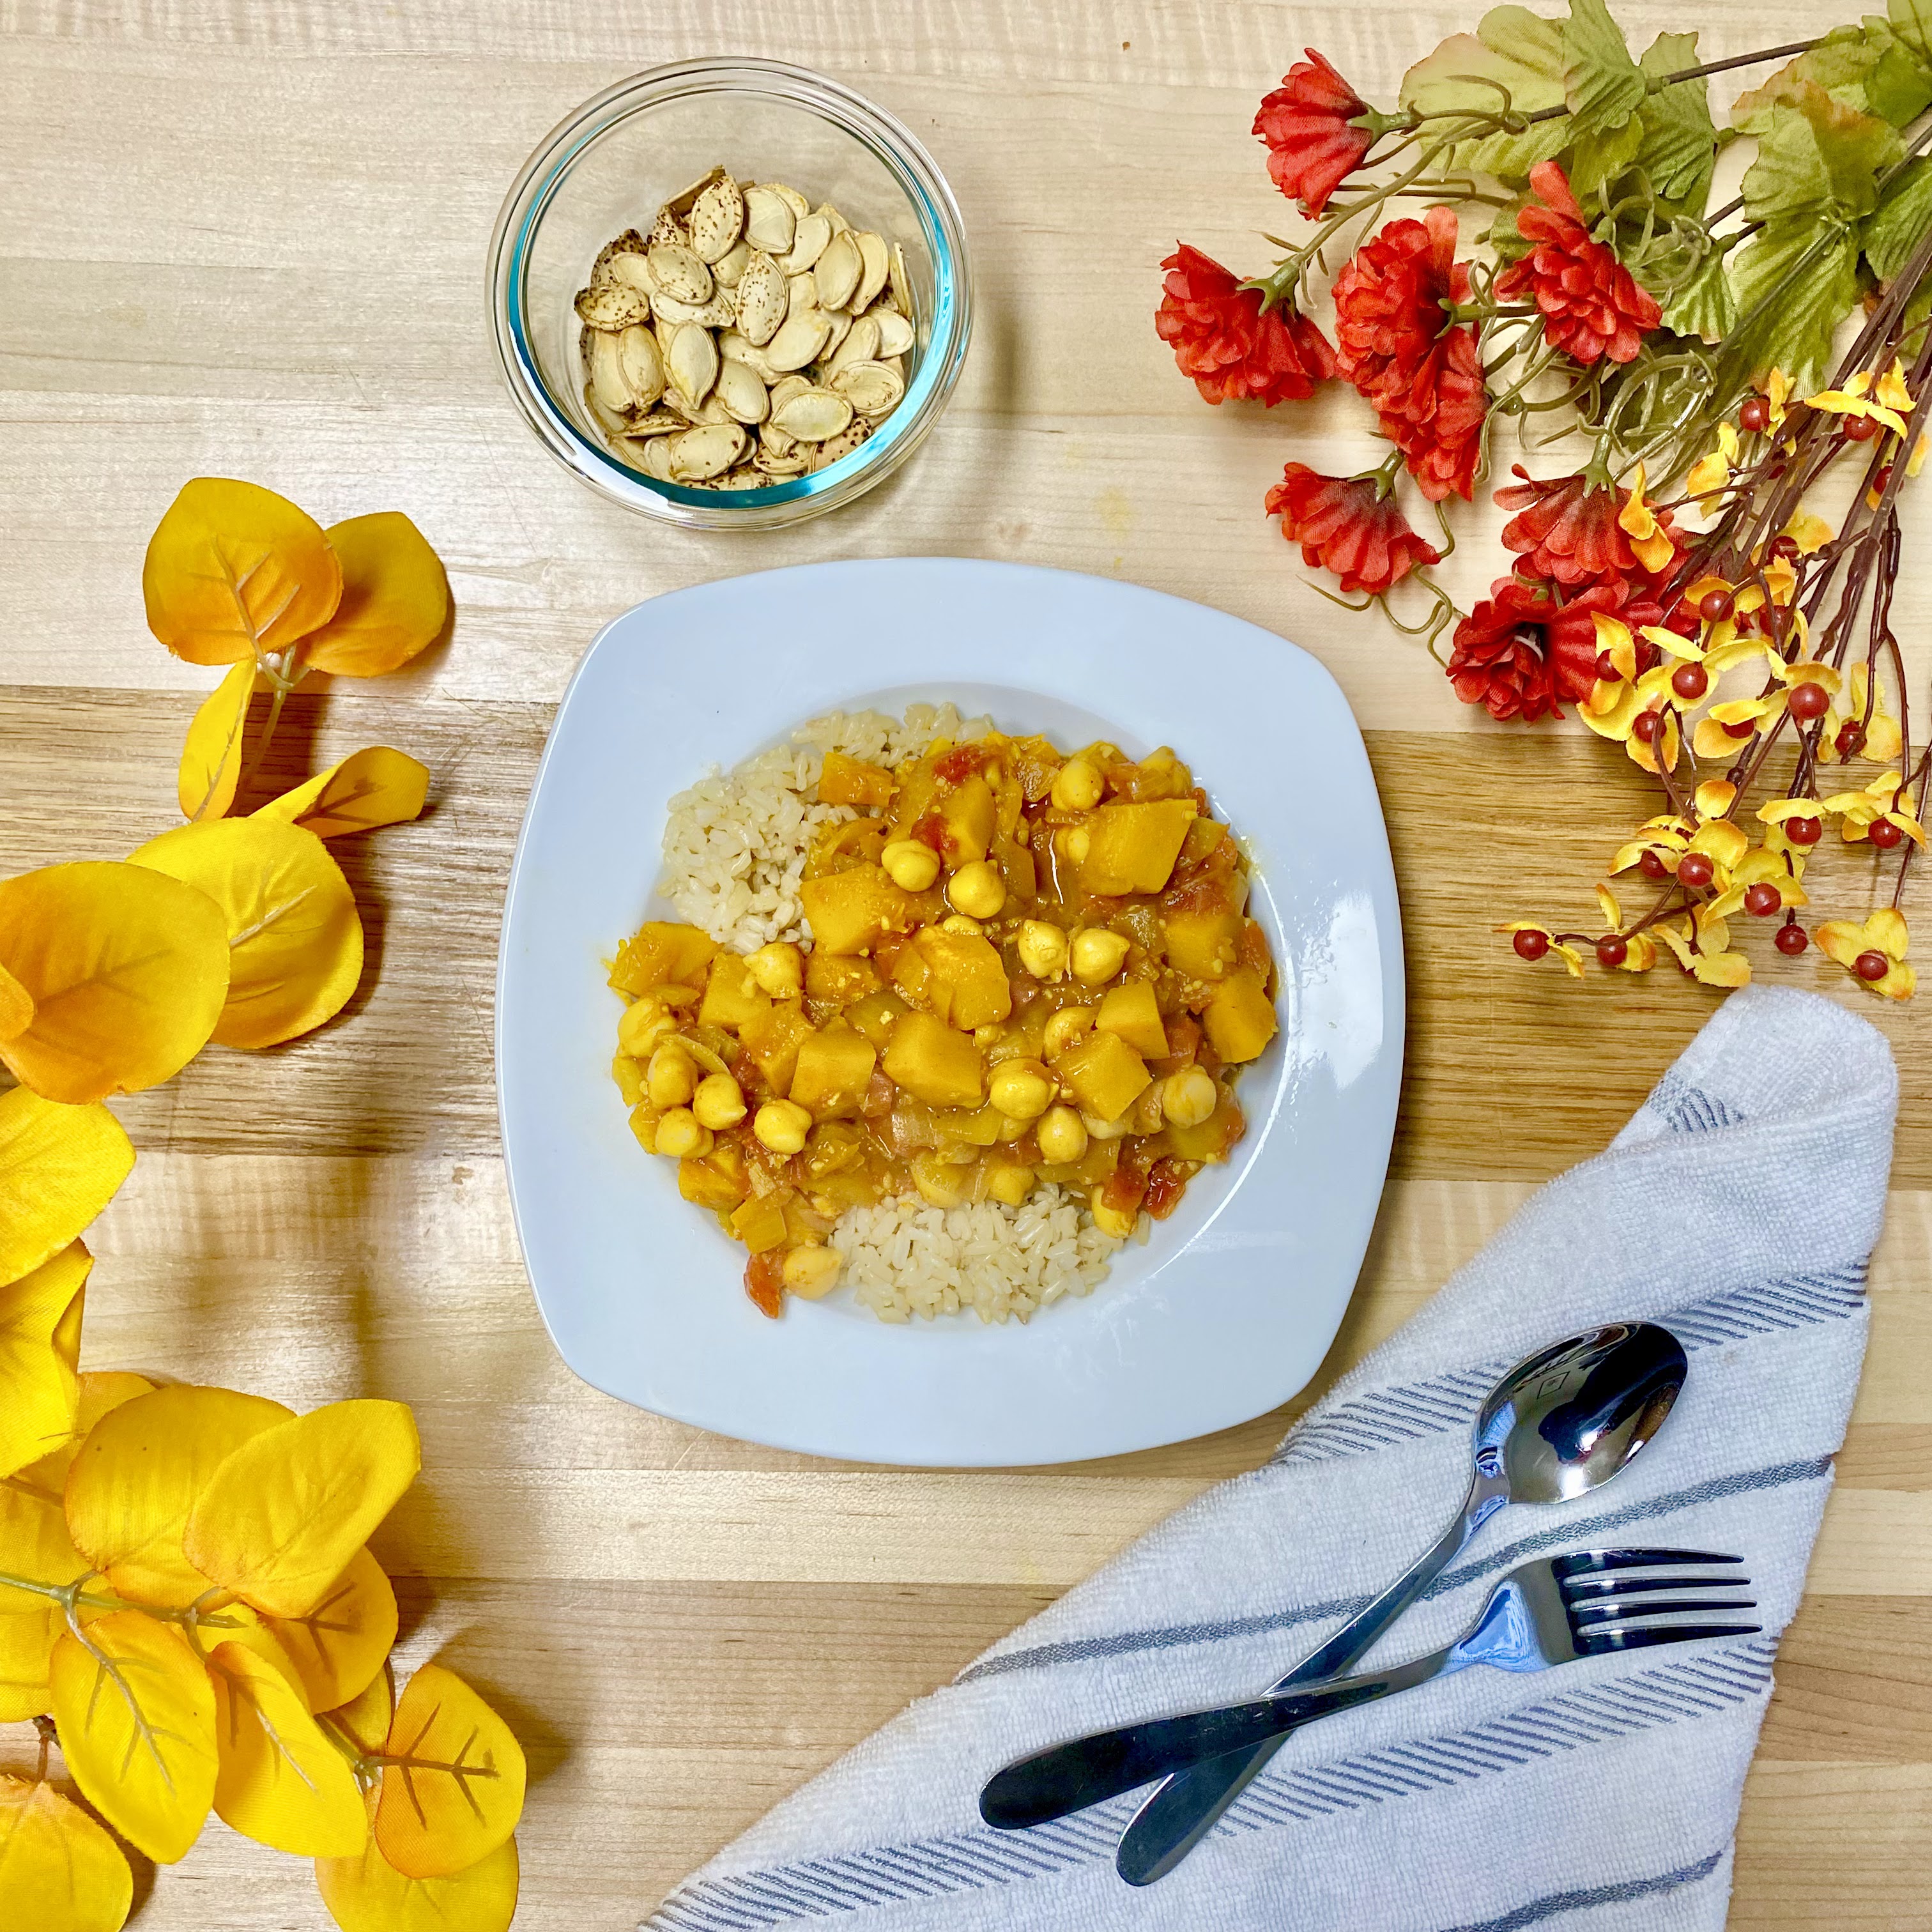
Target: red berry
x,y
1646,725
1762,899
1696,869
1851,738
1882,481
1785,547
1743,730
1690,682
1612,951
1605,671
1792,939
1804,831
1871,965
1860,429
1652,866
1531,944
1808,702
1715,606
1884,834
1755,416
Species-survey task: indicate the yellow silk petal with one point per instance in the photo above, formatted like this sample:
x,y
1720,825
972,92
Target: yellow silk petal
x,y
295,939
234,571
127,971
59,1166
338,1645
285,1515
1722,841
365,1719
395,598
1886,930
40,1350
452,1781
369,788
59,1871
16,1005
138,1475
211,760
368,1894
137,1717
280,1781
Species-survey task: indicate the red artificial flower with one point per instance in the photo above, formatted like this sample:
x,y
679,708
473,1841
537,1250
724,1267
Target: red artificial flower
x,y
1389,306
1592,304
1228,343
1526,649
1567,529
1437,421
1348,525
1308,123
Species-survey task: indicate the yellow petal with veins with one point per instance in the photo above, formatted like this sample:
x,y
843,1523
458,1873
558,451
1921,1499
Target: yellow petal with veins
x,y
1607,901
1886,930
1809,532
1715,797
1725,842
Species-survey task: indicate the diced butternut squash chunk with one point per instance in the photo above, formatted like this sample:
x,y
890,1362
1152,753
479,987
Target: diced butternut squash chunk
x,y
1132,848
1240,1019
957,975
1132,1012
849,780
875,1014
851,911
838,981
968,812
760,1222
773,1040
1203,835
978,1128
1104,1074
834,1066
732,998
1213,1137
701,1181
629,1076
935,1064
661,952
1203,941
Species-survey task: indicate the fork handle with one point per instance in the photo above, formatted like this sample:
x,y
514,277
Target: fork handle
x,y
1070,1777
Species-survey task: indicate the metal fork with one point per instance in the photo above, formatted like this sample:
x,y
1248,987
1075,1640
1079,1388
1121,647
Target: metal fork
x,y
1549,1613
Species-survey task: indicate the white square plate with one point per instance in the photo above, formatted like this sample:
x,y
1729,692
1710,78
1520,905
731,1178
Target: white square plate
x,y
1229,1309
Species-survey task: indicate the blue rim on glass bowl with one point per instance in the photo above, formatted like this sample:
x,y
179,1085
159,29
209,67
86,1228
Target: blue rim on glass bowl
x,y
606,166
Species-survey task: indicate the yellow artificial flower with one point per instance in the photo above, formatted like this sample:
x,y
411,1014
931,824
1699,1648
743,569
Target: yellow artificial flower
x,y
1702,943
1883,741
1891,390
1882,938
1666,835
1809,533
1711,739
1777,388
1648,538
1715,797
1572,959
1859,811
1855,399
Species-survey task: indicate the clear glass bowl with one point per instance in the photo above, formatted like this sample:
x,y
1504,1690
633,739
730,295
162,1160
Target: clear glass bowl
x,y
608,166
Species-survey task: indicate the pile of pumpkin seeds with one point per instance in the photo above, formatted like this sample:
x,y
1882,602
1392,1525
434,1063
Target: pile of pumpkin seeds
x,y
749,337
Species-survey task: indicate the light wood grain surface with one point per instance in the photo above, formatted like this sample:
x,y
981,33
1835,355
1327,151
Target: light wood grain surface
x,y
245,237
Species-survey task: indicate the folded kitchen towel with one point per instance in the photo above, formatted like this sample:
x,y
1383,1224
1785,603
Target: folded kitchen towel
x,y
1737,1208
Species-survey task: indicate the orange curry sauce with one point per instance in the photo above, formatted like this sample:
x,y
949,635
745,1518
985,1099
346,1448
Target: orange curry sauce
x,y
1063,990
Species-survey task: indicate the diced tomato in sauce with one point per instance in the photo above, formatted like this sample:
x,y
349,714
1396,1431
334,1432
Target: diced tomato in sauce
x,y
956,766
931,830
764,1281
1166,1184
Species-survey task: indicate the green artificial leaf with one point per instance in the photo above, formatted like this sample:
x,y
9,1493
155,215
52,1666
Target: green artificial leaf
x,y
1792,285
1602,155
1705,306
1900,221
1680,142
1912,22
1513,60
1863,68
1815,158
1603,85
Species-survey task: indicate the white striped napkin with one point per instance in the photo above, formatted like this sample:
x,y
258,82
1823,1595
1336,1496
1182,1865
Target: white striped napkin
x,y
1738,1209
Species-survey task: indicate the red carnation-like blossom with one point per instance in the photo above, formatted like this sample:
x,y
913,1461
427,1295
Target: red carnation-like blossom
x,y
1566,530
1438,425
1307,124
1592,304
1526,649
1224,339
1345,524
1389,312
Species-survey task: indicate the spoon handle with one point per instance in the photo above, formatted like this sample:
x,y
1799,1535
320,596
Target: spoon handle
x,y
1181,1812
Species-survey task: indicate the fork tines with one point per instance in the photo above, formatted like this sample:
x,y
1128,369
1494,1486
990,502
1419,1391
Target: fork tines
x,y
1615,1599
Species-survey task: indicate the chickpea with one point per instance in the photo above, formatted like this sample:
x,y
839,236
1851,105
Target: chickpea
x,y
1076,786
1064,1028
812,1271
1073,842
1009,1186
1022,1090
1062,1135
958,922
782,1126
976,889
910,864
680,1135
1189,1096
644,1023
719,1101
672,1077
1114,1221
778,969
1097,955
1042,949
1098,1130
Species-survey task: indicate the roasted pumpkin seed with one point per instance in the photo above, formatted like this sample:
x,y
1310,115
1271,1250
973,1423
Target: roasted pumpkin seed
x,y
729,267
807,243
761,296
847,439
740,390
613,305
692,364
734,347
709,451
837,270
798,340
717,219
679,273
800,208
633,271
801,294
835,336
656,458
813,414
685,199
875,265
896,333
860,345
901,282
769,220
870,388
607,373
667,228
642,368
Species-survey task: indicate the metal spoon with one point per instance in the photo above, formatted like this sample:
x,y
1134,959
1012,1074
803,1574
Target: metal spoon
x,y
1559,1424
